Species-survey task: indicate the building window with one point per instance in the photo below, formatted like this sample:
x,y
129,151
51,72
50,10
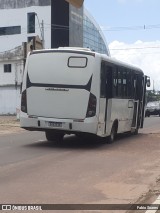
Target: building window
x,y
31,22
10,30
30,38
7,68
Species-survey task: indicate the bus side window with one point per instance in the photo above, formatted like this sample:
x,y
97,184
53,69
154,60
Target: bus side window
x,y
103,80
106,80
138,87
124,84
129,84
114,83
109,81
119,86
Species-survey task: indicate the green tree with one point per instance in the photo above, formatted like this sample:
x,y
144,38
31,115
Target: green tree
x,y
153,96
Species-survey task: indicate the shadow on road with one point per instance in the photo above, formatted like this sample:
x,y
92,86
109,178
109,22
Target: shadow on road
x,y
74,142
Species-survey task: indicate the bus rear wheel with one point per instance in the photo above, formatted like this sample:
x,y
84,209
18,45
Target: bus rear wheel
x,y
112,136
54,136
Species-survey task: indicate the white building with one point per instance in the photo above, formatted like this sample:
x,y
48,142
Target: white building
x,y
11,70
13,32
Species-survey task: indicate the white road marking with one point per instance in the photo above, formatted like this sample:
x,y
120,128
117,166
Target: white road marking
x,y
157,202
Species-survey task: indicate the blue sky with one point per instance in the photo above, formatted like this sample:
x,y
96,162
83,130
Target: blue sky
x,y
127,13
136,46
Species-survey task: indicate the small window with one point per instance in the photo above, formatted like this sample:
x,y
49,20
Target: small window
x,y
10,30
7,68
30,38
77,62
31,22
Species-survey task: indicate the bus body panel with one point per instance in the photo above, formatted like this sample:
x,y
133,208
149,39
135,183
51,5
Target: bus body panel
x,y
58,92
54,88
69,126
71,104
123,113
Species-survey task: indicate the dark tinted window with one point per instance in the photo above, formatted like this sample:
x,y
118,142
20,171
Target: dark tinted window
x,y
120,82
10,30
103,80
7,68
31,22
106,80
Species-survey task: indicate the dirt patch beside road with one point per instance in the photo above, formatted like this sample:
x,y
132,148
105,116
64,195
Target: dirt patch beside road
x,y
9,124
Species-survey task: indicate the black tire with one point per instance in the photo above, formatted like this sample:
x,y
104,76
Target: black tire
x,y
112,136
147,114
52,136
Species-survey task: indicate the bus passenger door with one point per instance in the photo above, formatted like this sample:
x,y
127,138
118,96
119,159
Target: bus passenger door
x,y
105,94
138,82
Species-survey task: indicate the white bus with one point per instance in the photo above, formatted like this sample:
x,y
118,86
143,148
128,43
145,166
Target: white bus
x,y
77,91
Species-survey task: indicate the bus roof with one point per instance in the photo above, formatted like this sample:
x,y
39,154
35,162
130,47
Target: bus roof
x,y
120,63
87,51
77,50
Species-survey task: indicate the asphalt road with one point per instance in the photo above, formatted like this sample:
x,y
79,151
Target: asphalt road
x,y
78,171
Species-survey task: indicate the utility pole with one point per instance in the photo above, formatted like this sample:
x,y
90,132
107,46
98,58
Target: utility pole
x,y
41,28
43,41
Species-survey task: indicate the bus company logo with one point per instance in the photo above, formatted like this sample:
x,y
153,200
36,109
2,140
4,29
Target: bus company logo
x,y
56,89
6,207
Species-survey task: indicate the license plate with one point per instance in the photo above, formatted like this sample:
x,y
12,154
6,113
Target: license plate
x,y
54,124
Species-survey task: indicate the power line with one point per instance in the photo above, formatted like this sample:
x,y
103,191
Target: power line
x,y
142,27
135,48
140,53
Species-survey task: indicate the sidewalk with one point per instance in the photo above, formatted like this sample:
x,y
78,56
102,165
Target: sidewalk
x,y
9,124
9,121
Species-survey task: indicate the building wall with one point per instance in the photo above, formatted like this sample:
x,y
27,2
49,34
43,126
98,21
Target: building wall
x,y
76,27
93,37
59,23
18,17
9,100
15,76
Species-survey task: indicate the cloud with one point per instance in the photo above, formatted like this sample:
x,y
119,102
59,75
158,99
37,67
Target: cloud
x,y
145,55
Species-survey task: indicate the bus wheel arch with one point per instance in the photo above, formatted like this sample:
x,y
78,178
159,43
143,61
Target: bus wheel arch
x,y
113,133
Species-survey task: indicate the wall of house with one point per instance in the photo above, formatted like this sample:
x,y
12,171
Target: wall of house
x,y
10,86
15,76
9,100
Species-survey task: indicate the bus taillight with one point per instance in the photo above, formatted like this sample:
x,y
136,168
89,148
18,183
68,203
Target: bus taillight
x,y
91,111
24,102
